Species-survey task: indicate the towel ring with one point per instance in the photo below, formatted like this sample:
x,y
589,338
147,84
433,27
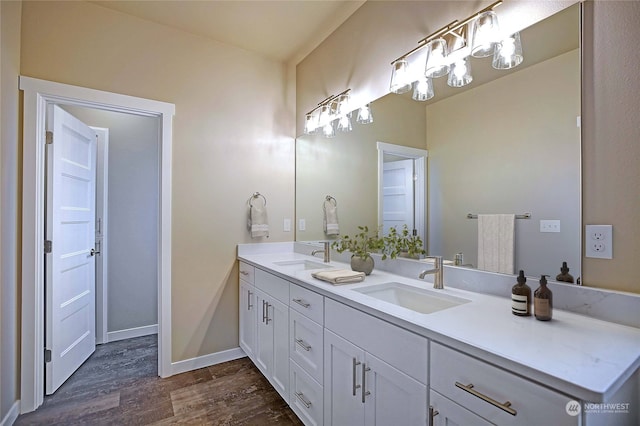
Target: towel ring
x,y
329,199
256,195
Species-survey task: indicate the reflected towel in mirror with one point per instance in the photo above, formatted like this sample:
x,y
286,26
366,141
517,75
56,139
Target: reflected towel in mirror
x,y
330,222
496,242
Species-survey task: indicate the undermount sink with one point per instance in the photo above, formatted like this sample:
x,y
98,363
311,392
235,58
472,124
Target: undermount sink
x,y
419,300
302,264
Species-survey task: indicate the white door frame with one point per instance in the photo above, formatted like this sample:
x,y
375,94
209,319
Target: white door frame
x,y
102,225
420,157
37,94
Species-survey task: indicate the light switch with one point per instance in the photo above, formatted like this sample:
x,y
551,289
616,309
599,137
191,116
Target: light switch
x,y
286,225
549,226
302,225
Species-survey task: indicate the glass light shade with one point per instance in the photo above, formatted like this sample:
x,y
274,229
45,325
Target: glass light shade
x,y
310,123
400,78
423,89
484,34
325,115
508,53
343,104
460,73
436,58
364,115
329,129
344,123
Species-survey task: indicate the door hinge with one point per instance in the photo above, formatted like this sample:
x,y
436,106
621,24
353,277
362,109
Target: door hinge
x,y
47,246
49,137
47,355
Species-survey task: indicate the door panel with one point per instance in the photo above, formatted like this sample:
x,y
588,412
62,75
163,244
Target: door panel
x,y
398,194
70,267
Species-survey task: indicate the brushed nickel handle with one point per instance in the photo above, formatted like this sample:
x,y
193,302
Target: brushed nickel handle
x,y
249,305
267,317
432,413
264,310
304,400
303,345
302,303
355,386
245,273
504,406
364,381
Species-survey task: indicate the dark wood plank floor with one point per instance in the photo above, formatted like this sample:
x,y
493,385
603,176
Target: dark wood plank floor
x,y
119,385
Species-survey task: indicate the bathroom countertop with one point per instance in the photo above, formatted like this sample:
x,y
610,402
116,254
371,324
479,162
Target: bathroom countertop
x,y
585,358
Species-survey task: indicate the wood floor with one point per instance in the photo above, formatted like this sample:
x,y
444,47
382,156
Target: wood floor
x,y
119,385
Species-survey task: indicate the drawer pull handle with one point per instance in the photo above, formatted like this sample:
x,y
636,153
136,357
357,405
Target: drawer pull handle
x,y
303,345
432,413
302,303
364,381
506,406
245,273
355,386
304,400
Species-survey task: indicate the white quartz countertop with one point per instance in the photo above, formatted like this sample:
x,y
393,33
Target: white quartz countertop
x,y
585,358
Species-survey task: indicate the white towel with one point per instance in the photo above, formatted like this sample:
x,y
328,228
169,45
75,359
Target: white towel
x,y
339,276
258,222
496,242
331,218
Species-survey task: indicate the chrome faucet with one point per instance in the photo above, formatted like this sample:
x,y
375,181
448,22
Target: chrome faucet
x,y
325,251
437,271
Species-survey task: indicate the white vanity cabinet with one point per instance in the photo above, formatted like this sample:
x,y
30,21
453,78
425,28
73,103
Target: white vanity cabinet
x,y
271,354
247,309
306,343
490,393
374,372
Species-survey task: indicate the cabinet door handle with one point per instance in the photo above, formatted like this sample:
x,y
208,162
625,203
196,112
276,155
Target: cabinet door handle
x,y
505,406
364,381
267,315
302,399
245,273
303,345
355,386
264,310
302,303
249,305
432,413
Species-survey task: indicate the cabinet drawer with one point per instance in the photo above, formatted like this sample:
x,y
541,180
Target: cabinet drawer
x,y
305,347
495,394
306,398
247,272
272,285
307,303
396,346
447,412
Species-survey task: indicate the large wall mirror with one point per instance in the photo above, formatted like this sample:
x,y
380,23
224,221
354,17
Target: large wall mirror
x,y
507,143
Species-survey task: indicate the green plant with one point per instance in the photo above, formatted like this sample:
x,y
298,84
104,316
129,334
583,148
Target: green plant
x,y
403,242
361,245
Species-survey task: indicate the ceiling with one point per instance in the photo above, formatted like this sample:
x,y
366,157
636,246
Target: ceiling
x,y
285,30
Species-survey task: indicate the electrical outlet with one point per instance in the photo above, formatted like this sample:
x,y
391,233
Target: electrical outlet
x,y
599,241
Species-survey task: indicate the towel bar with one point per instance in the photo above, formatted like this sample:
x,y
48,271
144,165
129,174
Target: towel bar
x,y
518,216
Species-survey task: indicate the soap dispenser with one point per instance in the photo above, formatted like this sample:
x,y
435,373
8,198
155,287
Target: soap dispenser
x,y
543,301
564,275
521,297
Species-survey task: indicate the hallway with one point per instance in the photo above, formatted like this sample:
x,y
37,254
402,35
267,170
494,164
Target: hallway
x,y
119,384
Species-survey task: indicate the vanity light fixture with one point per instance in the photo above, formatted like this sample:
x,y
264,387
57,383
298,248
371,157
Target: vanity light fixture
x,y
333,113
448,51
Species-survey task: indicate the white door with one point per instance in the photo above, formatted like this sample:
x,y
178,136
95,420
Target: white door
x,y
398,195
70,265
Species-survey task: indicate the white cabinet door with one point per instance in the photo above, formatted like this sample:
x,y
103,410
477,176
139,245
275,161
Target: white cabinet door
x,y
392,397
248,318
448,413
272,342
342,382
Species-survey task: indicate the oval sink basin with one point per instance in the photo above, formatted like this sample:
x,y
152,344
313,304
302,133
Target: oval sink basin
x,y
302,264
419,300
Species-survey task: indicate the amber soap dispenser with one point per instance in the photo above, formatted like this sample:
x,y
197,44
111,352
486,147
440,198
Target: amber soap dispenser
x,y
543,301
521,297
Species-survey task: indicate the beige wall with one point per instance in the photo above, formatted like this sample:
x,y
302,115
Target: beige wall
x,y
231,137
9,193
358,54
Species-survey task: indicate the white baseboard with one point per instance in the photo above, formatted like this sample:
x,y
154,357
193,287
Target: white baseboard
x,y
12,415
206,360
130,333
